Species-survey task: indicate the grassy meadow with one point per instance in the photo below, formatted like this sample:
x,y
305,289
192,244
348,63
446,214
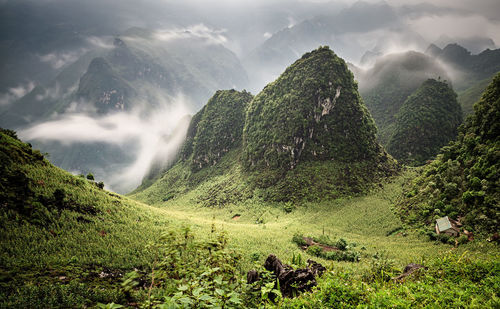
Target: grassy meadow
x,y
79,248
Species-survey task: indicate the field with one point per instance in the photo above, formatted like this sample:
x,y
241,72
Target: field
x,y
80,260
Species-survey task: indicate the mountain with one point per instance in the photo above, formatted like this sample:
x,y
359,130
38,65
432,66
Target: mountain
x,y
134,69
462,183
105,88
470,67
475,44
140,72
345,31
219,129
426,121
212,132
466,98
306,136
387,85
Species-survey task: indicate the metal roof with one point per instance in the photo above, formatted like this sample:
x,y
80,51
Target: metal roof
x,y
443,224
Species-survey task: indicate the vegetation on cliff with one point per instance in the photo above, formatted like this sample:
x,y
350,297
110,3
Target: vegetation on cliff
x,y
463,181
428,120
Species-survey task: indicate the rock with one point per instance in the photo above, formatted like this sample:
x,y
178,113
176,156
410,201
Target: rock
x,y
409,269
291,281
252,276
316,268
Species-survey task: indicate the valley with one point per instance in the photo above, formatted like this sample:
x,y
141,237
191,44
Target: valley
x,y
263,154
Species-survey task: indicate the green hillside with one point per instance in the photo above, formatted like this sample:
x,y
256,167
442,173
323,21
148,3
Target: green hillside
x,y
466,98
306,136
72,244
426,121
388,84
463,181
65,241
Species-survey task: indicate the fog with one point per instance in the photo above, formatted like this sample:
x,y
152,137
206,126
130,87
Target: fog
x,y
156,133
15,93
42,38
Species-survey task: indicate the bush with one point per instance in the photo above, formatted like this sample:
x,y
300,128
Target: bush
x,y
194,273
299,239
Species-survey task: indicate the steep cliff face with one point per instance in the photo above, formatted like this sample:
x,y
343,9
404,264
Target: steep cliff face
x,y
102,86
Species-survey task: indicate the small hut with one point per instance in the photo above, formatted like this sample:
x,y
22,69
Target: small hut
x,y
444,225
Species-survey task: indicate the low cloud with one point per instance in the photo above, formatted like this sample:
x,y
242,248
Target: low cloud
x,y
100,42
199,31
15,93
149,136
58,60
432,27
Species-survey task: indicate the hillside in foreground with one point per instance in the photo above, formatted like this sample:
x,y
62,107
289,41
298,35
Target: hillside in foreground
x,y
63,238
93,246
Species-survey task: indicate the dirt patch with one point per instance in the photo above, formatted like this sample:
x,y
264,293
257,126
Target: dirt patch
x,y
310,242
236,217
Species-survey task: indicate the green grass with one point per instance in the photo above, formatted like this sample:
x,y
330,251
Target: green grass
x,y
268,228
77,259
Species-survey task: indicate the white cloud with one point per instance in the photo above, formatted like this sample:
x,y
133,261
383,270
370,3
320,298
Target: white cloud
x,y
432,27
59,59
157,134
15,93
101,42
199,31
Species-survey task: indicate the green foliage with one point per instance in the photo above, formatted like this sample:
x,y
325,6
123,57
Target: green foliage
x,y
299,239
312,112
451,281
389,83
426,121
339,250
463,180
216,129
381,269
90,176
196,273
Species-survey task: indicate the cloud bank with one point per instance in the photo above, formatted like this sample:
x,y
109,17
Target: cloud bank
x,y
149,136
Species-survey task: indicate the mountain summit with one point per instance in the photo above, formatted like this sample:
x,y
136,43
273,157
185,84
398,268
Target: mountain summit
x,y
312,118
312,112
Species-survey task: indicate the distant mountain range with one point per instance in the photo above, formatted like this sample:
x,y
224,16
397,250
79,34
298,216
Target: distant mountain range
x,y
140,71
